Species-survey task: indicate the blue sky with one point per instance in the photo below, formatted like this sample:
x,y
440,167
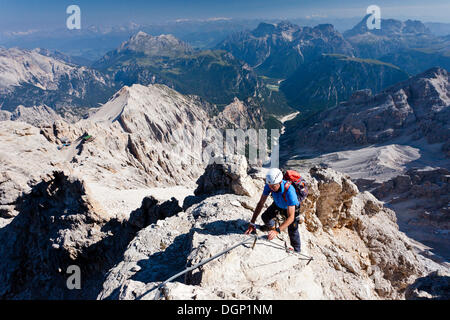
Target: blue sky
x,y
29,14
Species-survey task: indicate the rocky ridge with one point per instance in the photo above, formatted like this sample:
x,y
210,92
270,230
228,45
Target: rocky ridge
x,y
392,36
417,107
29,77
132,143
358,250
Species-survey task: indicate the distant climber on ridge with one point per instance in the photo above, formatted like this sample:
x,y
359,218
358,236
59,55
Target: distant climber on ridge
x,y
288,192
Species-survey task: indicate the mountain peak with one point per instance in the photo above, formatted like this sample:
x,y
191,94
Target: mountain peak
x,y
389,27
263,29
161,45
437,76
325,26
431,87
155,99
141,33
326,29
433,73
285,25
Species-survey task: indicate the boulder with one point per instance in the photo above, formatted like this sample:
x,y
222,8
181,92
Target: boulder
x,y
153,210
226,175
336,192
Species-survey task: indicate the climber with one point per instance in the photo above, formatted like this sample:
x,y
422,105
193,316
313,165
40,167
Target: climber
x,y
87,137
285,203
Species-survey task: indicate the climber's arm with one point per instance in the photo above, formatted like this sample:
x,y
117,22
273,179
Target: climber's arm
x,y
256,213
258,208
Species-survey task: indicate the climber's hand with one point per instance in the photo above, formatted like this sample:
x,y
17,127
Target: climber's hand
x,y
251,228
272,234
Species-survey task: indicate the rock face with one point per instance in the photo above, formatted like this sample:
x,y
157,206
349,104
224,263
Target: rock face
x,y
421,198
25,156
36,116
417,108
30,78
243,116
358,250
59,224
228,176
332,208
432,185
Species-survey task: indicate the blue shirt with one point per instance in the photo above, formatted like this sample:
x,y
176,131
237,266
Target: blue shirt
x,y
291,196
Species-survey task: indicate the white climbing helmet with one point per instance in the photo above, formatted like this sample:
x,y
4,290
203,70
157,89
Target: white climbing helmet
x,y
274,176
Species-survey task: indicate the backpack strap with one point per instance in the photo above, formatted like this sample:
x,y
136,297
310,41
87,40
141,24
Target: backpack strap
x,y
286,187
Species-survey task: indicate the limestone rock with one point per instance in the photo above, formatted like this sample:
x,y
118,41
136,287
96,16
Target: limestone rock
x,y
153,210
358,251
36,116
420,199
58,224
228,175
243,116
434,286
333,208
35,77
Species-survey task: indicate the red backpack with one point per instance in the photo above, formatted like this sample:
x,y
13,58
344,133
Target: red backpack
x,y
294,178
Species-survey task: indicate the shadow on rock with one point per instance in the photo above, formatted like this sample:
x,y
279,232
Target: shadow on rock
x,y
162,265
59,226
435,286
222,227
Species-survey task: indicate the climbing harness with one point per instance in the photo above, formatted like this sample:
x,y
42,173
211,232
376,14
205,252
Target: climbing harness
x,y
163,290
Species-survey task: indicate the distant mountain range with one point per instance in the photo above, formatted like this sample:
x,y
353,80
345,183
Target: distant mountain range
x,y
393,36
277,50
214,75
332,78
44,77
276,67
414,109
318,67
92,42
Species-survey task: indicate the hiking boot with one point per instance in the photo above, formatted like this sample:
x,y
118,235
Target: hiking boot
x,y
292,250
266,228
